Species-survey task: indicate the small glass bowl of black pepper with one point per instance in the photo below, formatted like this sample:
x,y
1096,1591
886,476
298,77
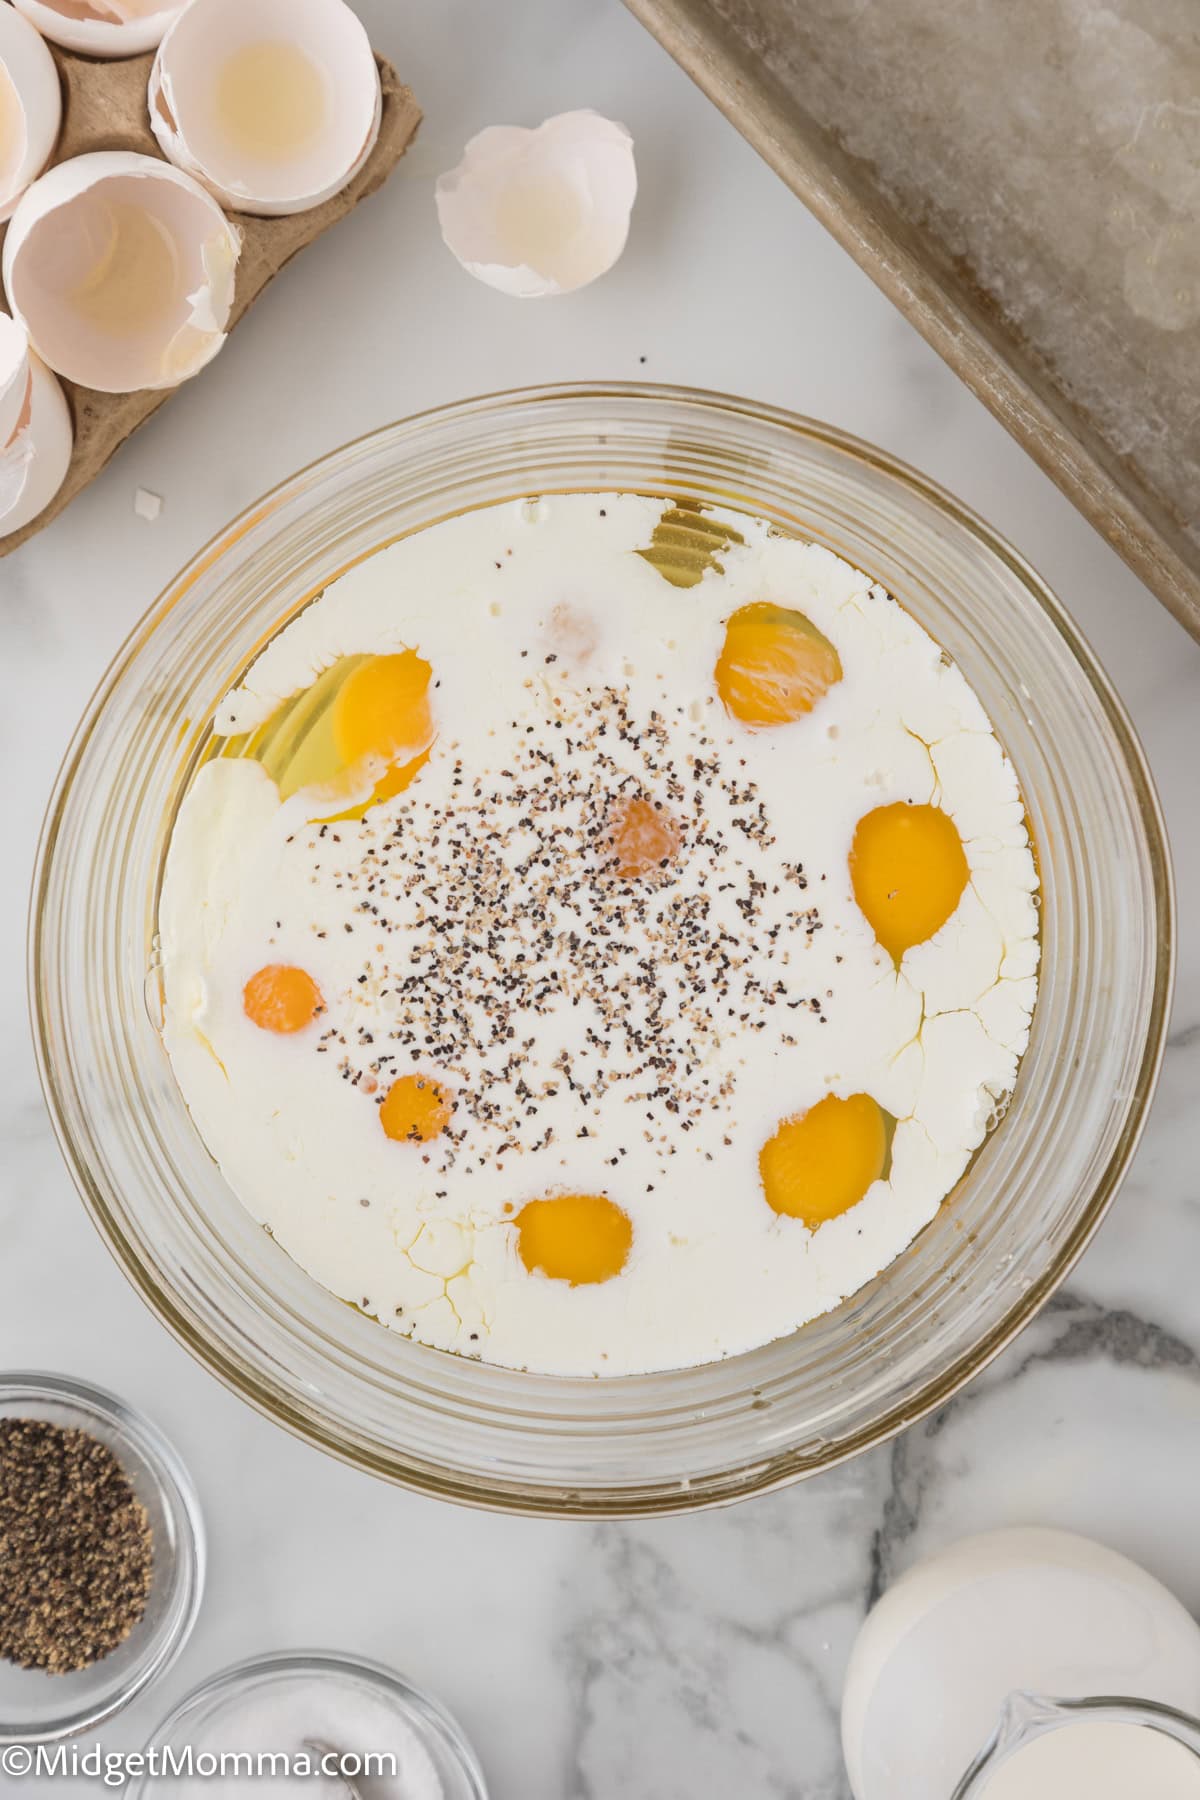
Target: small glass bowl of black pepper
x,y
102,1545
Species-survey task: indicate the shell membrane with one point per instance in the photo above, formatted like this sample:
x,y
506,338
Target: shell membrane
x,y
207,110
36,435
103,28
121,268
30,107
540,212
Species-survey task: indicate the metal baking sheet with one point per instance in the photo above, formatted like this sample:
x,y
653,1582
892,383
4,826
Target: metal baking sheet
x,y
1022,178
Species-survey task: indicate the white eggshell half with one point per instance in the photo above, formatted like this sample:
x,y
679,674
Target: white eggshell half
x,y
309,162
30,107
107,28
15,378
34,465
69,225
541,212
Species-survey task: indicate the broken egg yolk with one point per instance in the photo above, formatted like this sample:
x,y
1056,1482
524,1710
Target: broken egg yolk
x,y
642,838
578,1238
281,998
415,1109
774,665
821,1163
382,716
908,869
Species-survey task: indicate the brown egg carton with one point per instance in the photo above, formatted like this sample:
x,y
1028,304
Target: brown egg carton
x,y
104,108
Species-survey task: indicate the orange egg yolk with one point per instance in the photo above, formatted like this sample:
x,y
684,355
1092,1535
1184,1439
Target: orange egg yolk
x,y
382,716
642,839
908,869
578,1238
774,665
281,998
415,1109
821,1163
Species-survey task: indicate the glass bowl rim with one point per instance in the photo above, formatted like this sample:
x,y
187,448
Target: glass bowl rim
x,y
770,1473
178,1494
414,1698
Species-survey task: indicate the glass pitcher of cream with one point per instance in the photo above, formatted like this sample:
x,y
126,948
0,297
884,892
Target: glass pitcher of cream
x,y
1022,1612
1108,1749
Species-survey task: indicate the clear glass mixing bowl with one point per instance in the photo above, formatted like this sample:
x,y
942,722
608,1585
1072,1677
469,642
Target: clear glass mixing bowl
x,y
899,1347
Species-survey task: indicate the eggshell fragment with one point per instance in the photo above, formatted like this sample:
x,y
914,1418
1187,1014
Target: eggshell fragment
x,y
36,436
273,104
541,212
30,107
106,28
122,271
14,377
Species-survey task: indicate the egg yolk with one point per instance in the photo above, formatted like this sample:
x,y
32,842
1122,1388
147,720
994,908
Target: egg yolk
x,y
415,1109
821,1163
642,839
281,998
578,1238
774,665
908,869
382,715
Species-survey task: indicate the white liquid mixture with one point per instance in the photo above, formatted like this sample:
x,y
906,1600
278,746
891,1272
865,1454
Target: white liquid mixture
x,y
1098,1759
632,1043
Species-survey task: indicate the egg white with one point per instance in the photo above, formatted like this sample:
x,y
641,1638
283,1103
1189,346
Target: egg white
x,y
713,1269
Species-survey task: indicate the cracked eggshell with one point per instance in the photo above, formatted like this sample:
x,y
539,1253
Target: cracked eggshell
x,y
30,107
36,437
14,377
121,269
544,211
105,28
321,105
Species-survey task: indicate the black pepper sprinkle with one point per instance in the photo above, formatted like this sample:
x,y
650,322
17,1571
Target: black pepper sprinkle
x,y
501,905
75,1548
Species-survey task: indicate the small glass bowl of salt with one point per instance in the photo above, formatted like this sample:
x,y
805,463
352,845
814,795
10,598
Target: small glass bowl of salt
x,y
309,1723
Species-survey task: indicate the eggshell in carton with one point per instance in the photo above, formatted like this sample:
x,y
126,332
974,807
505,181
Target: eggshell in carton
x,y
105,28
105,109
327,46
29,86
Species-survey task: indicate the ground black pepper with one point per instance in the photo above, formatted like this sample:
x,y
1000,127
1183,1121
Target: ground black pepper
x,y
514,906
76,1549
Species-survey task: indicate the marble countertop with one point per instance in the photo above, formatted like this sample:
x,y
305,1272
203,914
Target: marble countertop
x,y
653,1661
